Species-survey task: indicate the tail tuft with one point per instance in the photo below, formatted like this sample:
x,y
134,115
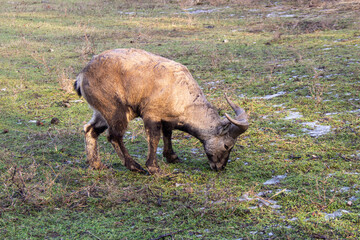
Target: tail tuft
x,y
77,84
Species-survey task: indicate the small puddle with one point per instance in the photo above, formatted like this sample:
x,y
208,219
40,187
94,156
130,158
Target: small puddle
x,y
344,189
354,111
190,11
127,13
315,129
280,14
199,11
278,105
338,213
194,150
357,111
293,115
353,198
275,180
270,96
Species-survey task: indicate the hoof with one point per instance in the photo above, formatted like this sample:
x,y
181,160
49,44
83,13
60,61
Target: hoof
x,y
98,166
173,159
154,170
135,167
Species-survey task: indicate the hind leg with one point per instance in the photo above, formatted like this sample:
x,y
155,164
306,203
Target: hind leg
x,y
116,132
93,129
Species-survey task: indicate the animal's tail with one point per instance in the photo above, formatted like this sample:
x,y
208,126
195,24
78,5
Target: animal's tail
x,y
77,84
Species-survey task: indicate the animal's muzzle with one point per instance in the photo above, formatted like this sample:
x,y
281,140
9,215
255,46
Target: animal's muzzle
x,y
217,166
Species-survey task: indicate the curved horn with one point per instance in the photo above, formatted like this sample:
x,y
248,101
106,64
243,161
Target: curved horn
x,y
236,108
240,123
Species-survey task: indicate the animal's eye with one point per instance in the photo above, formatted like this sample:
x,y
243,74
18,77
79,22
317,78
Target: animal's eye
x,y
226,147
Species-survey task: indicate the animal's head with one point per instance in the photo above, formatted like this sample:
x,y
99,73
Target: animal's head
x,y
219,146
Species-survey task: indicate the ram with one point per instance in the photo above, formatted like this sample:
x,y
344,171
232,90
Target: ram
x,y
123,84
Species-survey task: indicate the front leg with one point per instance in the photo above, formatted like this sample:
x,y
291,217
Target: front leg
x,y
116,139
168,153
152,129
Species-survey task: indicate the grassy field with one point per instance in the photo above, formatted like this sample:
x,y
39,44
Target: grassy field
x,y
293,65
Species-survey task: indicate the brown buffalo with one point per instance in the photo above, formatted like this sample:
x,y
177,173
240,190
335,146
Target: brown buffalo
x,y
123,84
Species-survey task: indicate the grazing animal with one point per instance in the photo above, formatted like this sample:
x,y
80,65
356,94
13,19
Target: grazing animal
x,y
123,84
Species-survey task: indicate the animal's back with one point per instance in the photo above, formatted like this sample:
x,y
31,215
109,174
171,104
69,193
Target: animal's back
x,y
142,81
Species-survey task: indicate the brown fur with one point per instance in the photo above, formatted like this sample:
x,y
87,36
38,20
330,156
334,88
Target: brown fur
x,y
123,84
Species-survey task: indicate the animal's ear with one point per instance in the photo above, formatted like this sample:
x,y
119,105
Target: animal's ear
x,y
224,128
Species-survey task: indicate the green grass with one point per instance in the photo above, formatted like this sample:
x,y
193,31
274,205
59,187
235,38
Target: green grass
x,y
309,58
